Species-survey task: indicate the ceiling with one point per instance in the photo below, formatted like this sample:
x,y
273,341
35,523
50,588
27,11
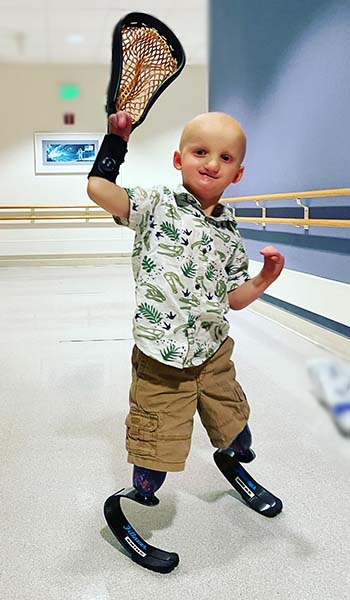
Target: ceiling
x,y
79,31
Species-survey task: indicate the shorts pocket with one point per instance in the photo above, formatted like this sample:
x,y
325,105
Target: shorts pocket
x,y
240,399
141,430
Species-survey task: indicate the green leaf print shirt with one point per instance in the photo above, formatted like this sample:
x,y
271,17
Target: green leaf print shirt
x,y
184,264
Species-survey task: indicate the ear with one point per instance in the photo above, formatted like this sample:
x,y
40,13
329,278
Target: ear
x,y
239,175
177,160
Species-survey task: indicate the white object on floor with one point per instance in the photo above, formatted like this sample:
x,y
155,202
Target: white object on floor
x,y
331,383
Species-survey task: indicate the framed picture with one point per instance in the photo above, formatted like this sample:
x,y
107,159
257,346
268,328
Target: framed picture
x,y
65,152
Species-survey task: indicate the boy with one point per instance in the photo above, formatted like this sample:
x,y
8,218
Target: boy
x,y
190,267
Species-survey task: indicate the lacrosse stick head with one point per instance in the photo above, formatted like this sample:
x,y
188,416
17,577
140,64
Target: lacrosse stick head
x,y
146,58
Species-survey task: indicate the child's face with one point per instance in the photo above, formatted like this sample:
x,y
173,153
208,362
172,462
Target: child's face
x,y
211,150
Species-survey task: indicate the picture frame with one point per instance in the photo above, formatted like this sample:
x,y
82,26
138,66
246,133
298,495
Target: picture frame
x,y
65,153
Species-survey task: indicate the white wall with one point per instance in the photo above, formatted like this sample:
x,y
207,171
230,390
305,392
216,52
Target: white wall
x,y
331,299
30,103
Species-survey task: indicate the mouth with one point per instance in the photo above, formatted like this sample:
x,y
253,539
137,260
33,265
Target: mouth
x,y
206,175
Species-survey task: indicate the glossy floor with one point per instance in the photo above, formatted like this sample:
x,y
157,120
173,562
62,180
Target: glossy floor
x,y
64,357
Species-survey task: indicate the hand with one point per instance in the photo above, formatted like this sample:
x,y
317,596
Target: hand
x,y
273,263
120,124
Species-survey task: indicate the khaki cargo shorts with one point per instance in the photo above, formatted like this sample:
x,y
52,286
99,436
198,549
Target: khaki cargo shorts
x,y
164,399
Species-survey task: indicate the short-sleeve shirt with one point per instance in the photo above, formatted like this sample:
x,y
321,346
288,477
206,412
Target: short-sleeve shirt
x,y
184,264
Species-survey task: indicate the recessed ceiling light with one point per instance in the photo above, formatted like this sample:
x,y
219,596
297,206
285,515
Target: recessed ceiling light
x,y
75,38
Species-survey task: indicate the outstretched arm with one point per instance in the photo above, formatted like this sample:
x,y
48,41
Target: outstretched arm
x,y
104,192
251,290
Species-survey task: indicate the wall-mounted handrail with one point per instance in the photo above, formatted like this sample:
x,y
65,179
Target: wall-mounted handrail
x,y
297,222
92,212
39,206
291,195
298,197
271,220
44,213
55,217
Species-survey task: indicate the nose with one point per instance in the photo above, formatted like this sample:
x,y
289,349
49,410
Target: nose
x,y
212,164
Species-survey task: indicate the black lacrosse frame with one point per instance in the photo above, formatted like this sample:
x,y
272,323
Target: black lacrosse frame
x,y
137,19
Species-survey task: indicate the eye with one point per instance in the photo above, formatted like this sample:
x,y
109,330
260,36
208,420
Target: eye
x,y
226,157
200,152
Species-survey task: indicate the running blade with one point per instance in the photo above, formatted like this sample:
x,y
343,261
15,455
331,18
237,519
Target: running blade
x,y
139,550
255,495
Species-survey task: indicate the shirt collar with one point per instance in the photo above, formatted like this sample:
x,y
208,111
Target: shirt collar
x,y
221,212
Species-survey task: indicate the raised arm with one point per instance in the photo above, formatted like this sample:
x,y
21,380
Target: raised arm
x,y
101,187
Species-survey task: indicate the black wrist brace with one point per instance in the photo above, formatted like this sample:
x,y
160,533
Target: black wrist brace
x,y
109,158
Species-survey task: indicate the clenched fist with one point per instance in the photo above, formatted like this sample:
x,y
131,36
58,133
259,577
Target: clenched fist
x,y
120,123
273,263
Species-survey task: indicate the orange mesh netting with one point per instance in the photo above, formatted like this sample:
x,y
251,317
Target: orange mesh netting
x,y
147,62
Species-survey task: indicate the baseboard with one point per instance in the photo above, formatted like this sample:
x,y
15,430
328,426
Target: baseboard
x,y
333,342
58,260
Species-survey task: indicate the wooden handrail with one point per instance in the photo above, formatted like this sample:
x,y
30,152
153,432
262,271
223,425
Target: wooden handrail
x,y
91,211
37,213
273,221
59,207
55,217
283,196
291,195
297,222
298,197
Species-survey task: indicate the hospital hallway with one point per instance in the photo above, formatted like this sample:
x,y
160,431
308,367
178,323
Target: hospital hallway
x,y
66,341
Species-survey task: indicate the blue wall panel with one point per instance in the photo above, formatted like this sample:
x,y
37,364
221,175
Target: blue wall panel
x,y
283,70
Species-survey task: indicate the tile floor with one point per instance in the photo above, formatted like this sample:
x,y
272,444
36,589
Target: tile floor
x,y
64,363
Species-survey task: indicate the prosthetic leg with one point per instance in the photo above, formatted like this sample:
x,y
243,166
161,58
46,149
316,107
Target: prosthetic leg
x,y
255,495
140,552
145,482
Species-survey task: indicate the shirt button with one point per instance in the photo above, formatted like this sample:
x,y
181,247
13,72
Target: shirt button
x,y
197,286
196,361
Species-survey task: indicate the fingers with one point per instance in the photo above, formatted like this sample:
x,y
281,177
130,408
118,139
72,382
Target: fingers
x,y
120,120
113,122
270,252
120,123
123,119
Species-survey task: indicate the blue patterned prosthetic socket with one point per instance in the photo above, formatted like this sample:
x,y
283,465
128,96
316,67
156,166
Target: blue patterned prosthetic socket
x,y
242,442
147,481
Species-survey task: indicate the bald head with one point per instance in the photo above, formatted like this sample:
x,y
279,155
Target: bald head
x,y
215,123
